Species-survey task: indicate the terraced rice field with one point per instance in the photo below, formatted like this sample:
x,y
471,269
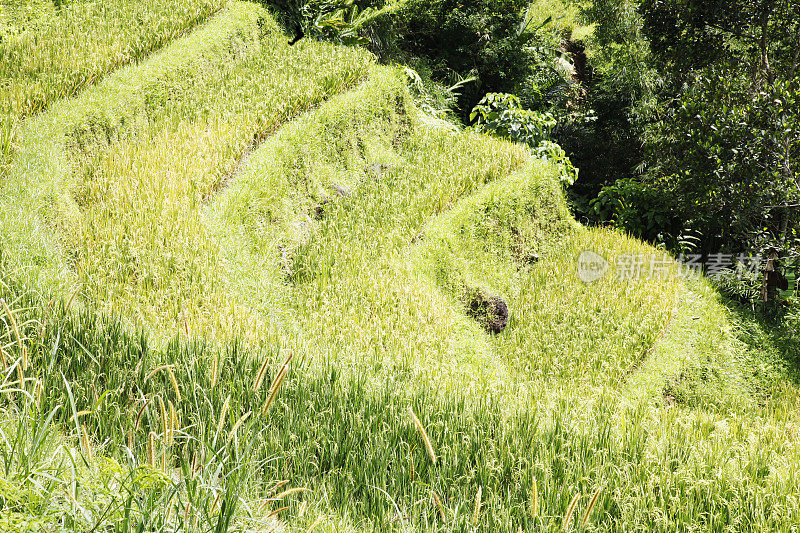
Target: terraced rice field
x,y
41,60
239,282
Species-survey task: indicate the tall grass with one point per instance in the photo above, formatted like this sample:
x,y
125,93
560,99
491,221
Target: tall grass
x,y
351,440
375,277
84,455
53,50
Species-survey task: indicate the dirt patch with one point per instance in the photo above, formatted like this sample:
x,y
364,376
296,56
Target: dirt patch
x,y
488,310
693,387
404,126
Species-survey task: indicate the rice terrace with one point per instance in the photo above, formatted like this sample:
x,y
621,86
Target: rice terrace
x,y
399,265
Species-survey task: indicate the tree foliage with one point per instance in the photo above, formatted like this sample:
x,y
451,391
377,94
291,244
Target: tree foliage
x,y
713,110
725,156
503,115
486,39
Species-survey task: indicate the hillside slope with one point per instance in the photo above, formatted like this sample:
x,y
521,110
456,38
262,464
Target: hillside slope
x,y
177,236
41,60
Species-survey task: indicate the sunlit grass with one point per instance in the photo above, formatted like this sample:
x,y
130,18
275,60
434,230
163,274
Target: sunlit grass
x,y
128,180
565,19
41,60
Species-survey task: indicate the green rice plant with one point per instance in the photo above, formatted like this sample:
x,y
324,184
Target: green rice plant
x,y
330,256
212,96
361,300
53,476
340,431
43,60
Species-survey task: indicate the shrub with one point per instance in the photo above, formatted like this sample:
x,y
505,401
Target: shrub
x,y
504,115
486,39
739,284
550,151
342,21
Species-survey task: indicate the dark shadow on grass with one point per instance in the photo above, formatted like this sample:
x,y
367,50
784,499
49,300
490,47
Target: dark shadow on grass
x,y
768,336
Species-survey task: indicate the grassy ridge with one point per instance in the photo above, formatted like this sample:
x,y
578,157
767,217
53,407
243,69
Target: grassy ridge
x,y
349,438
516,239
123,172
371,306
41,61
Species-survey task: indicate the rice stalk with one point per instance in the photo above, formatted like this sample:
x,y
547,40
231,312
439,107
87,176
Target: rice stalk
x,y
15,328
439,505
592,503
237,424
276,385
566,523
174,383
156,371
223,414
424,434
477,509
260,376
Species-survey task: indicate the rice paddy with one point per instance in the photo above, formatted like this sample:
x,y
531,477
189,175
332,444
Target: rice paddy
x,y
237,279
41,60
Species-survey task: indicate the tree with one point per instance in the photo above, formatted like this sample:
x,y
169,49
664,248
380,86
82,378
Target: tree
x,y
459,39
720,135
725,158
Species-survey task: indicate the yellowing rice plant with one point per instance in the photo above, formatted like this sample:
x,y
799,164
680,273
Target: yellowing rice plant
x,y
133,181
41,60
